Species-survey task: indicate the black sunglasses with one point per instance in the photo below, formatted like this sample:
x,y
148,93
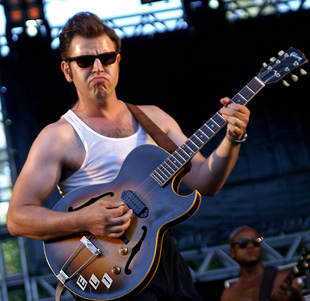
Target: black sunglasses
x,y
243,242
86,61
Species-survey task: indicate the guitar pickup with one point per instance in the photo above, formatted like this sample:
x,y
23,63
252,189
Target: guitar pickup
x,y
135,203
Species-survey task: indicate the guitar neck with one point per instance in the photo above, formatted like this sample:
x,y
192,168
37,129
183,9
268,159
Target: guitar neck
x,y
166,170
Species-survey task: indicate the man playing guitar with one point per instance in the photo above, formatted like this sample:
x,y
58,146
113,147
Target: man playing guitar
x,y
88,145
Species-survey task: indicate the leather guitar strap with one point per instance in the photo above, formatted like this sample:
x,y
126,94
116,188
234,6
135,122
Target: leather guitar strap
x,y
157,135
152,129
59,289
267,283
155,132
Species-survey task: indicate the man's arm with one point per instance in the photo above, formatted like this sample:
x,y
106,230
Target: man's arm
x,y
38,178
208,175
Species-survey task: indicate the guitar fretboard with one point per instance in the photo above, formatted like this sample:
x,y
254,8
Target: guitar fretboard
x,y
166,170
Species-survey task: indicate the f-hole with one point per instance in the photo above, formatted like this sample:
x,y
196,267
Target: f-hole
x,y
91,201
135,250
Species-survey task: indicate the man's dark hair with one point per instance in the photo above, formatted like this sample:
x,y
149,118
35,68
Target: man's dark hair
x,y
86,25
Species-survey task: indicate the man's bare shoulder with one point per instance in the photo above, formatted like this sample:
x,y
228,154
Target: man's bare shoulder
x,y
60,129
159,116
58,138
152,110
227,294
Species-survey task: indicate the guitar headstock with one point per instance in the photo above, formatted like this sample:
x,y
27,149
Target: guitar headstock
x,y
282,66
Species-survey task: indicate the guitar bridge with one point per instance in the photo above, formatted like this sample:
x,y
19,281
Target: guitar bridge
x,y
62,276
90,246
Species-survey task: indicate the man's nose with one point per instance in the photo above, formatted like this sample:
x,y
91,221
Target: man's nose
x,y
97,66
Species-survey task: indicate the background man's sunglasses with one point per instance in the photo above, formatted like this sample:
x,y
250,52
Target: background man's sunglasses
x,y
86,61
243,242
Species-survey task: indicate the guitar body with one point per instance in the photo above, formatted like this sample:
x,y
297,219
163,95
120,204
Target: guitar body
x,y
125,265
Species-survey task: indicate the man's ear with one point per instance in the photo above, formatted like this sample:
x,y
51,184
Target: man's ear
x,y
67,71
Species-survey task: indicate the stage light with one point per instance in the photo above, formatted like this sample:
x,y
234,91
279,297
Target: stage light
x,y
29,17
17,12
16,15
33,13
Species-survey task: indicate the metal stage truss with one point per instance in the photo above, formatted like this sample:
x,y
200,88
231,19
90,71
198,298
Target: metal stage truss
x,y
206,264
128,26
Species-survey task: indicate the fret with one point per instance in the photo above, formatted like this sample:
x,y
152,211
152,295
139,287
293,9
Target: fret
x,y
246,93
167,171
160,172
204,135
171,163
187,146
256,84
213,127
155,175
210,127
207,130
193,144
253,92
169,166
201,141
249,91
219,118
197,142
180,159
240,101
175,161
172,166
214,121
191,152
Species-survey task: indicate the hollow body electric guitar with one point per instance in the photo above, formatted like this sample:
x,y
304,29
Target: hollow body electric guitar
x,y
101,268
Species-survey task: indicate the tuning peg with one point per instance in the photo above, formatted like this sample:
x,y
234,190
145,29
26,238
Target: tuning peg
x,y
281,52
294,77
272,59
265,64
303,71
285,83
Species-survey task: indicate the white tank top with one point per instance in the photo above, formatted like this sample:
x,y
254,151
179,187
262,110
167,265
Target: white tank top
x,y
103,155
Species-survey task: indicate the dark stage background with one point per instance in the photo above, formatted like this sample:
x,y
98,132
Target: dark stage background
x,y
186,73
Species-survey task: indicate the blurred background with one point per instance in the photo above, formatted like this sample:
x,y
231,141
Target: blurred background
x,y
182,56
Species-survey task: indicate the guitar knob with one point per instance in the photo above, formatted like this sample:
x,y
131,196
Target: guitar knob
x,y
116,270
303,71
285,83
265,64
123,250
294,77
281,52
272,59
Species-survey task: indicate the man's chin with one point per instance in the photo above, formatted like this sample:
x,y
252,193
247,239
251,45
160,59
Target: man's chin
x,y
100,92
251,263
